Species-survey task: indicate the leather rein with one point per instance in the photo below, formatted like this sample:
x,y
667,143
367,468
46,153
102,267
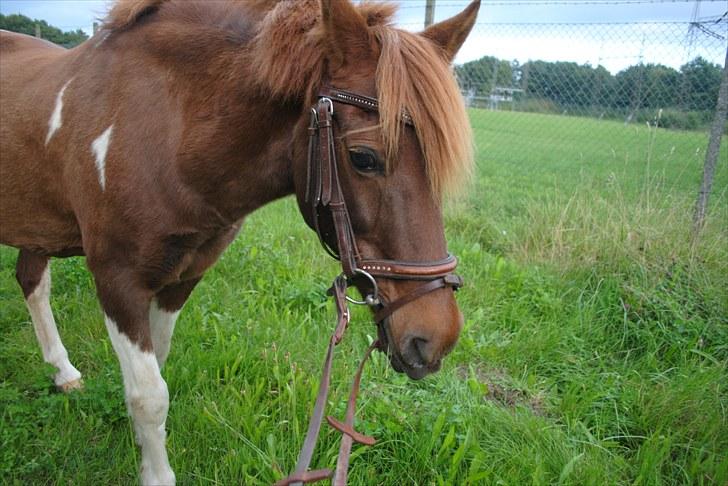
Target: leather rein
x,y
325,199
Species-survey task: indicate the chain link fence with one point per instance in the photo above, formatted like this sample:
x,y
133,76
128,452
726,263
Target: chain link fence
x,y
674,68
604,82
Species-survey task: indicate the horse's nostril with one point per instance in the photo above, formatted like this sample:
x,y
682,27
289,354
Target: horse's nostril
x,y
416,352
421,345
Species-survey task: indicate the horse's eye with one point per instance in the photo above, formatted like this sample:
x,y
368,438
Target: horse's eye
x,y
364,160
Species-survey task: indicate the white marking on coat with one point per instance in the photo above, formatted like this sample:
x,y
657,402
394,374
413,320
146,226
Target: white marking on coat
x,y
100,148
56,120
162,324
54,352
147,400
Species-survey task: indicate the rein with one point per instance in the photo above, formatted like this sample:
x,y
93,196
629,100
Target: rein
x,y
325,197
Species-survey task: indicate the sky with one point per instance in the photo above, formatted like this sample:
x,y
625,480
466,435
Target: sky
x,y
612,43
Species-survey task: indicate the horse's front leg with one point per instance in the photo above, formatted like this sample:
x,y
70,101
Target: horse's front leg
x,y
34,276
126,307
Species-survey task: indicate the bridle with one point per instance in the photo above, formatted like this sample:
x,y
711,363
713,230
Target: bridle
x,y
324,198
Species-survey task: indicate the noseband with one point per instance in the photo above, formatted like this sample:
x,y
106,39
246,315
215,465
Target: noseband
x,y
324,195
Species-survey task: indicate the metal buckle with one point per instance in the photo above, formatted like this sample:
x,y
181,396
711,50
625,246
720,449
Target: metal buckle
x,y
325,100
372,300
453,280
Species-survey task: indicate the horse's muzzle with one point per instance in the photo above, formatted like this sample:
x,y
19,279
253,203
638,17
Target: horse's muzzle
x,y
412,367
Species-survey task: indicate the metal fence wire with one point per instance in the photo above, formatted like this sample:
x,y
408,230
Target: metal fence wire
x,y
636,93
625,74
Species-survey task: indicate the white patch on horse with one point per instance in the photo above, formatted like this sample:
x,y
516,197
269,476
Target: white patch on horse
x,y
162,326
56,120
100,147
54,353
147,400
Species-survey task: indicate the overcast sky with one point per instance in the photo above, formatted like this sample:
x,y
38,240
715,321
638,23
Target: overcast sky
x,y
614,46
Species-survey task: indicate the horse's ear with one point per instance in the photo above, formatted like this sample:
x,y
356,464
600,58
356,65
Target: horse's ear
x,y
450,34
345,30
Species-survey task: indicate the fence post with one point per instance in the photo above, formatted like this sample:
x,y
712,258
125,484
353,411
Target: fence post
x,y
96,27
37,31
711,155
429,13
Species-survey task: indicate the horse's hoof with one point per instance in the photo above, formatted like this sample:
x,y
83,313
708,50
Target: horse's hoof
x,y
70,386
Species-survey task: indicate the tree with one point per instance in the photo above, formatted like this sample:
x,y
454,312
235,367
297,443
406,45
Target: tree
x,y
647,86
686,97
701,82
567,83
26,25
477,76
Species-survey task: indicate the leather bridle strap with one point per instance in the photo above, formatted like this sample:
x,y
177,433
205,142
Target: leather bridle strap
x,y
452,281
347,428
364,102
324,189
398,270
301,474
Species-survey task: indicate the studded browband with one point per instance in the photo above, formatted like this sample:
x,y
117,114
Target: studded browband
x,y
364,102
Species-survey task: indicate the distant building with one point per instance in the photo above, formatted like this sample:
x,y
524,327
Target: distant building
x,y
501,94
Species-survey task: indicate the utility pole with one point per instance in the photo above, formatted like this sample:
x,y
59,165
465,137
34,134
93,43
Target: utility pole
x,y
429,13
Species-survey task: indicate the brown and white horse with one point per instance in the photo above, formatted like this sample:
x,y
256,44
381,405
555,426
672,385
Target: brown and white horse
x,y
145,147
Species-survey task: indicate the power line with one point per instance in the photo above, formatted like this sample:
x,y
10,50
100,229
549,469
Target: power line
x,y
707,31
579,24
558,2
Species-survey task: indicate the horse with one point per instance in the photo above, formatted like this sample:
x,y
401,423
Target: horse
x,y
144,148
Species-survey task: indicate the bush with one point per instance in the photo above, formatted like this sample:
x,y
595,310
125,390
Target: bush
x,y
537,105
678,120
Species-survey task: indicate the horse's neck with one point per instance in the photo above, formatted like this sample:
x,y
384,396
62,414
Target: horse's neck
x,y
237,156
232,140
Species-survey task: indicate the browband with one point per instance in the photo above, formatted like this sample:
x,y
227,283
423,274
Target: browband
x,y
365,102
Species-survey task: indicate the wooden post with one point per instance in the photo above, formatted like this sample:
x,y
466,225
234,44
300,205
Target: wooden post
x,y
37,31
429,13
96,27
711,155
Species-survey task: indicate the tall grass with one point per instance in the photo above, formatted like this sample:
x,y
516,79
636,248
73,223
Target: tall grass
x,y
593,352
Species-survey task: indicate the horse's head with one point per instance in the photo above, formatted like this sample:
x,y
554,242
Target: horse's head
x,y
393,163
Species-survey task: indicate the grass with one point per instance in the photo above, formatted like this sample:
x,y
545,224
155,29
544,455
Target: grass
x,y
594,349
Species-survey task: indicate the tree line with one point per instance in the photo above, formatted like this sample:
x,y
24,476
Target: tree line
x,y
25,25
686,97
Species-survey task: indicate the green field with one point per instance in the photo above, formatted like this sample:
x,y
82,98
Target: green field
x,y
594,350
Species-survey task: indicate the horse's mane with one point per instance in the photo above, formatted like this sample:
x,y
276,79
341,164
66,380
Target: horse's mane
x,y
413,74
288,49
